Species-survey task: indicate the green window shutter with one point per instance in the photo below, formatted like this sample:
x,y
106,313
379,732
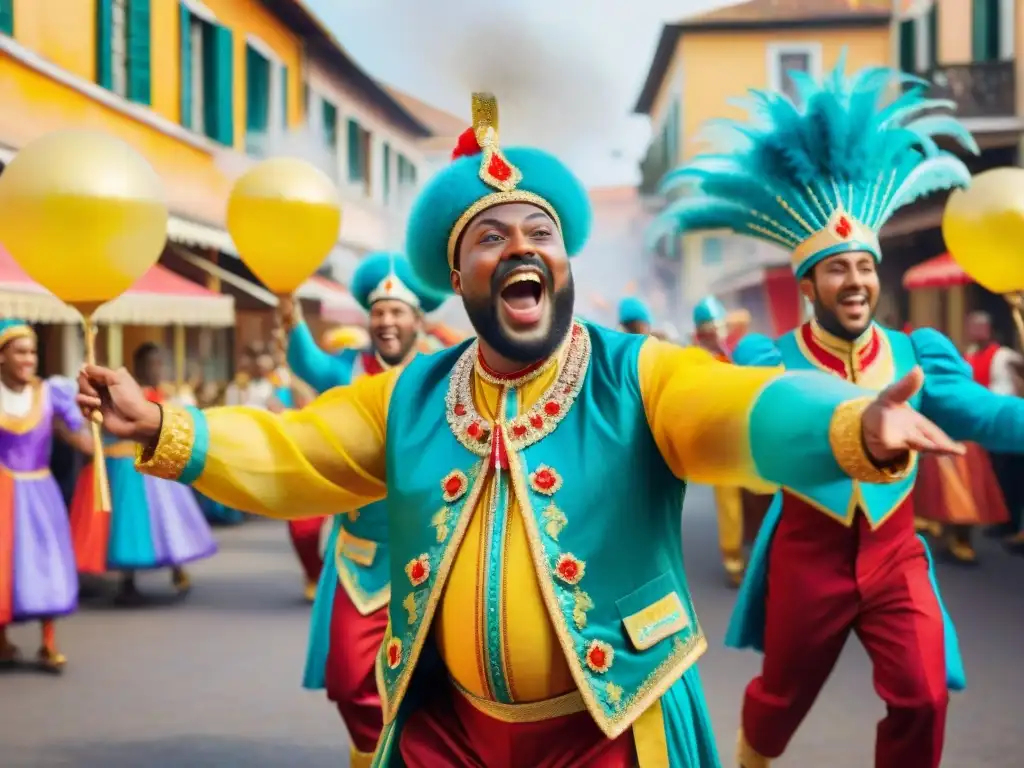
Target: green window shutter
x,y
908,46
7,17
218,80
185,70
329,114
387,172
104,32
355,152
139,33
933,36
284,95
980,35
257,91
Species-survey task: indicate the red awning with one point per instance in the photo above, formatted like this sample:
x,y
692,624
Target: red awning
x,y
937,272
160,297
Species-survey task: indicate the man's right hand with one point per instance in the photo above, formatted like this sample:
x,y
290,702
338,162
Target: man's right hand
x,y
126,412
288,312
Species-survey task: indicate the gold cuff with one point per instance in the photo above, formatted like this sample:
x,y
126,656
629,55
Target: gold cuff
x,y
846,436
748,757
173,448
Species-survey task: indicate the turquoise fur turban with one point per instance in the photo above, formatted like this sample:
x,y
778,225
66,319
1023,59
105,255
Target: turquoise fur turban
x,y
633,310
385,275
708,310
481,176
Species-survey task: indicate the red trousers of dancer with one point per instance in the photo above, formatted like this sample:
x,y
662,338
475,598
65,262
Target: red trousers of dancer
x,y
452,732
305,536
826,580
350,680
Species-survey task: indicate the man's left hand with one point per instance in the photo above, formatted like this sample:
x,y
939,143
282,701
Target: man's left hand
x,y
892,427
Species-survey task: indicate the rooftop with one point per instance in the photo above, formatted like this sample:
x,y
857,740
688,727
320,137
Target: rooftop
x,y
444,126
759,15
321,42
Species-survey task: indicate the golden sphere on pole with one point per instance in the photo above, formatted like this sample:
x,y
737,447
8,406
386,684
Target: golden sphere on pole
x,y
983,227
84,215
285,217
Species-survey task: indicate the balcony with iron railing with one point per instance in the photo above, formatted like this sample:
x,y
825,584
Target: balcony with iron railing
x,y
982,89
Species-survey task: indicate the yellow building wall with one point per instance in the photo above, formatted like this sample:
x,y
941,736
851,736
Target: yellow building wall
x,y
64,33
705,98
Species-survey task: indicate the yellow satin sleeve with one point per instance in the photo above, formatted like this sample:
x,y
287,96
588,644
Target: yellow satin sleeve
x,y
324,459
698,409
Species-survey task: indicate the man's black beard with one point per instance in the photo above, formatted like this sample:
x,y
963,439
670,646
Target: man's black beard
x,y
483,314
392,360
829,321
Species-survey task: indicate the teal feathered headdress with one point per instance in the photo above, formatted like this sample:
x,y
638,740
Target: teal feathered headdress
x,y
821,178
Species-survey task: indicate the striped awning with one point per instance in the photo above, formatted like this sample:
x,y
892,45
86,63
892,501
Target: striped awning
x,y
160,297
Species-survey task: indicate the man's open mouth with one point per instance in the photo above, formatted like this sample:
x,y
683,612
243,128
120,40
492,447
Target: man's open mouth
x,y
522,296
854,301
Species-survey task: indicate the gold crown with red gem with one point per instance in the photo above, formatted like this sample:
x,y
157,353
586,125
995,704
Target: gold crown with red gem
x,y
496,170
842,234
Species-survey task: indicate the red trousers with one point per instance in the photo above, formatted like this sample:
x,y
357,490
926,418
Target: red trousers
x,y
826,580
350,680
305,535
452,732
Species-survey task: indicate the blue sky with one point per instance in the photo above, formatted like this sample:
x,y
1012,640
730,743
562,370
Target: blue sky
x,y
566,72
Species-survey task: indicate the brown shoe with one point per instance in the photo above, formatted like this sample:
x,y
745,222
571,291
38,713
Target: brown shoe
x,y
51,660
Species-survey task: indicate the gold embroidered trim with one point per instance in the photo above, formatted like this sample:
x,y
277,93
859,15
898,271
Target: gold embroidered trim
x,y
683,655
845,435
475,433
392,693
173,448
514,383
581,603
528,712
440,523
491,200
359,551
20,425
554,521
365,602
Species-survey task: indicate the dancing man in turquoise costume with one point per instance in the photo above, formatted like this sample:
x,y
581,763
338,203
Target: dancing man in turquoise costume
x,y
539,610
634,316
348,624
710,332
837,557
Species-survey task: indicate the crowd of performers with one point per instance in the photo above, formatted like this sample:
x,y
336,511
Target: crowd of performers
x,y
489,597
154,523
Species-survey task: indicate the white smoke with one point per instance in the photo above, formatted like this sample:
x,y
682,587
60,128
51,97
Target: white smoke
x,y
302,143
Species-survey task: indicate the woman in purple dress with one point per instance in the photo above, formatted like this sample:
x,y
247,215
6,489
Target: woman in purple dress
x,y
37,564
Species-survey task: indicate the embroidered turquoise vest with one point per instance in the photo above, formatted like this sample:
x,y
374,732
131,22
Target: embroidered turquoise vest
x,y
602,512
840,499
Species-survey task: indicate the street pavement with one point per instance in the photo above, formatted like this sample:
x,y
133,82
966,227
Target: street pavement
x,y
214,679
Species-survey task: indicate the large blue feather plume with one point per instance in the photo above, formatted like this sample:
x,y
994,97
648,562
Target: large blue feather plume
x,y
780,174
